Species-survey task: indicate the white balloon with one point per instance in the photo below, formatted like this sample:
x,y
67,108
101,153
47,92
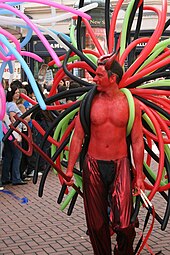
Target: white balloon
x,y
62,17
65,16
53,35
17,21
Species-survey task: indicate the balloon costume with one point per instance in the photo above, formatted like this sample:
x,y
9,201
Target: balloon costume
x,y
145,79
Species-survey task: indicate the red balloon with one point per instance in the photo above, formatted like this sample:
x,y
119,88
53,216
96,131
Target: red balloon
x,y
145,72
161,149
113,24
152,41
90,30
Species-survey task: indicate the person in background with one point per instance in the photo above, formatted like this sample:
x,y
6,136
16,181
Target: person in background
x,y
12,155
1,148
44,119
106,170
62,88
17,83
73,85
31,94
25,158
62,83
28,162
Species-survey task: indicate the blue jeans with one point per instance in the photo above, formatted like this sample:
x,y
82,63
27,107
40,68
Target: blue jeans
x,y
11,163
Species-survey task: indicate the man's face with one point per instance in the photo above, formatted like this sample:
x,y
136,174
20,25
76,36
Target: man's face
x,y
101,79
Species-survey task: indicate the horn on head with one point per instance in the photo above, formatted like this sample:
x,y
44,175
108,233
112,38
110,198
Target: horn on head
x,y
110,58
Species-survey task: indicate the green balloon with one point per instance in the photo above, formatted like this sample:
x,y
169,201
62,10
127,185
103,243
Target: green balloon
x,y
131,109
158,83
124,27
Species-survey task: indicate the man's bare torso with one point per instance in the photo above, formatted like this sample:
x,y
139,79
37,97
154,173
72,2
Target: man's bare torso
x,y
109,118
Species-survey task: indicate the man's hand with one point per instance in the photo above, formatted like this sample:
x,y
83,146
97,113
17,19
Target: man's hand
x,y
69,175
139,185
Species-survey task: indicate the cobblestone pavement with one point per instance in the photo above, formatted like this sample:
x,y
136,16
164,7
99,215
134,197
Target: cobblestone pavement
x,y
40,227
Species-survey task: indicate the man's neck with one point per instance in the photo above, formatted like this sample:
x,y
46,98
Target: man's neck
x,y
111,92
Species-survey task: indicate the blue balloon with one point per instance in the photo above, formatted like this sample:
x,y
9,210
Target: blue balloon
x,y
14,3
6,12
27,71
28,36
2,68
23,200
1,132
64,35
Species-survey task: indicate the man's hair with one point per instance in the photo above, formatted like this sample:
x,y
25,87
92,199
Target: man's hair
x,y
116,69
111,65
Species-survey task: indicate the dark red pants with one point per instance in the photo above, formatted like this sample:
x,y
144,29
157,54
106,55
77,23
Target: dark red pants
x,y
100,193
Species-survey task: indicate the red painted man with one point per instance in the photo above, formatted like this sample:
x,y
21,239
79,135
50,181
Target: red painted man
x,y
106,171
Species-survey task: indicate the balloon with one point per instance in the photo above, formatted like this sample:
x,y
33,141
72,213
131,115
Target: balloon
x,y
11,37
60,74
161,149
32,55
137,81
89,29
91,52
124,27
27,70
113,24
41,36
152,41
62,17
2,102
53,4
130,47
131,109
150,92
42,132
27,37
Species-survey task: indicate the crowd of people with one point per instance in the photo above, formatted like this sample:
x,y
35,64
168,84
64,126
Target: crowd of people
x,y
14,163
18,168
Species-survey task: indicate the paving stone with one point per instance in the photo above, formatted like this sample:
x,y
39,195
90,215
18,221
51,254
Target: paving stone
x,y
41,228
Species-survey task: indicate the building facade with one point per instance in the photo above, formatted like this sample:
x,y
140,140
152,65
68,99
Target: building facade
x,y
40,12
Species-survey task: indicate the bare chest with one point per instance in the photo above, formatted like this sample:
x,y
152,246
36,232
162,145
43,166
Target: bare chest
x,y
114,112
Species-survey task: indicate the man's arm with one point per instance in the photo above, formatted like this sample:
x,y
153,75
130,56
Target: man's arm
x,y
75,148
138,148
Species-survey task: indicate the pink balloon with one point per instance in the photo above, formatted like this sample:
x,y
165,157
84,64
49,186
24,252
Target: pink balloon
x,y
5,58
22,53
31,55
35,29
5,130
11,37
2,102
53,4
